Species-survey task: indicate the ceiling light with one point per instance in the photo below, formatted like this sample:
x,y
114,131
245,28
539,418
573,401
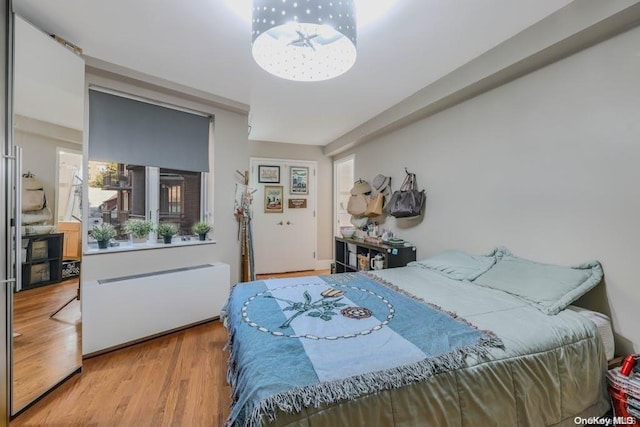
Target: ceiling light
x,y
304,40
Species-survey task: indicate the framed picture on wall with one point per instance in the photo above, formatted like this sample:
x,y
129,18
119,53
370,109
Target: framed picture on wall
x,y
273,198
297,203
269,174
299,180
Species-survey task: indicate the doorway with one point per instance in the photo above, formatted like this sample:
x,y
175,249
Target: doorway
x,y
69,188
343,177
284,220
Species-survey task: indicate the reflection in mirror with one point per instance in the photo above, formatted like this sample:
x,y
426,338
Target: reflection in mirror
x,y
47,125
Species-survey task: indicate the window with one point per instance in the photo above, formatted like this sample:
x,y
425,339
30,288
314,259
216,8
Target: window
x,y
146,161
180,199
118,192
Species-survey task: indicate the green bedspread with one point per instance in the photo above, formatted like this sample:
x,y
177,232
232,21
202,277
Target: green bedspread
x,y
550,371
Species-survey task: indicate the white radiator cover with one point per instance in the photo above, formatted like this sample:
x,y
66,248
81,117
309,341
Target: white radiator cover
x,y
119,310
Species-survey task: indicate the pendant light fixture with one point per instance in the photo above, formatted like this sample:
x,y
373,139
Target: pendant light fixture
x,y
304,40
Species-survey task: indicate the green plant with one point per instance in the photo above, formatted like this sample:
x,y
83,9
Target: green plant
x,y
166,230
138,227
103,232
201,227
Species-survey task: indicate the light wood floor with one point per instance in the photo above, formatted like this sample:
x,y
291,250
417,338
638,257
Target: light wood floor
x,y
47,349
175,380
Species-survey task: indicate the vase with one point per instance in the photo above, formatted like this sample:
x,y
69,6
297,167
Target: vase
x,y
202,236
103,244
167,239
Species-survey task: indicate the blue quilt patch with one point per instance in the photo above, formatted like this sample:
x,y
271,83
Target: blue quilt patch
x,y
308,341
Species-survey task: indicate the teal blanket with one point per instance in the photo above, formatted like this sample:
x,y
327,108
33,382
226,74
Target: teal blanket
x,y
309,341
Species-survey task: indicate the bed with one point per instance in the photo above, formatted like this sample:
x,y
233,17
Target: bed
x,y
449,341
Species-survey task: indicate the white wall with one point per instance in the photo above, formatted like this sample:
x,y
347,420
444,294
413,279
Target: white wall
x,y
48,78
546,165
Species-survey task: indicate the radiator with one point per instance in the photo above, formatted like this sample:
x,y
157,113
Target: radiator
x,y
120,310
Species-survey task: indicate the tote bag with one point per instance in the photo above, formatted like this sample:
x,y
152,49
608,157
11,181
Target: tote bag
x,y
374,207
408,201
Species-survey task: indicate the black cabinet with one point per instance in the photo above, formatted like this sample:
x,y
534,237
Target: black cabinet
x,y
41,259
356,254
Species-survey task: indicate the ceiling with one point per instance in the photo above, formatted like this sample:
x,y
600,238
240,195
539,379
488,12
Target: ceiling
x,y
204,45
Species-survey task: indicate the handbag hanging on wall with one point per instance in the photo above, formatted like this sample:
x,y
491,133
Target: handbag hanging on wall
x,y
359,199
357,205
407,202
374,206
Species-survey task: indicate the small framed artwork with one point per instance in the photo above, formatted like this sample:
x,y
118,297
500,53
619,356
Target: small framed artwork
x,y
297,203
273,198
269,174
299,180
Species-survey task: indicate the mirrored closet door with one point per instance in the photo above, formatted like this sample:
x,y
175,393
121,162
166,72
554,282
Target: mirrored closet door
x,y
48,107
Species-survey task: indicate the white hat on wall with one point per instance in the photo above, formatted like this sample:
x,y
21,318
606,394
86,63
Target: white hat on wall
x,y
380,182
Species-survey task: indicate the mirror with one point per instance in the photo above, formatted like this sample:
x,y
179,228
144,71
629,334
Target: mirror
x,y
47,125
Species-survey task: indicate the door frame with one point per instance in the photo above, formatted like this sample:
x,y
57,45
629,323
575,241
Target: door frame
x,y
336,189
7,275
313,195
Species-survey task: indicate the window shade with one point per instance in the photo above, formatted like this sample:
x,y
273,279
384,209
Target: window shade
x,y
124,130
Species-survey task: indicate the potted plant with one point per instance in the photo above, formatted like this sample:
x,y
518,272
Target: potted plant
x,y
166,231
139,229
103,233
201,229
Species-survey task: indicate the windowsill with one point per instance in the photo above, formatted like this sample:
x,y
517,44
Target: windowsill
x,y
128,246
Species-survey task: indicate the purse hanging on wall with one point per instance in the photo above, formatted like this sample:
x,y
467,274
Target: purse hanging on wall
x,y
407,202
359,199
357,205
374,206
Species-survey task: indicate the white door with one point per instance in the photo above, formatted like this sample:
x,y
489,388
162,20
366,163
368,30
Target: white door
x,y
284,215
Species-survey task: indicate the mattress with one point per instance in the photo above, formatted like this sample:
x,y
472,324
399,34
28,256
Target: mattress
x,y
549,370
603,324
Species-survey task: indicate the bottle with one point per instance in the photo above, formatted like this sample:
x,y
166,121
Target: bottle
x,y
627,365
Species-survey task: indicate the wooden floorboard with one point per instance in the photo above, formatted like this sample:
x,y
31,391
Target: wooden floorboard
x,y
47,349
174,380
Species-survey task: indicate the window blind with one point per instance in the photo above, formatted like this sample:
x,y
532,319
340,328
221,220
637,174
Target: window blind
x,y
125,130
